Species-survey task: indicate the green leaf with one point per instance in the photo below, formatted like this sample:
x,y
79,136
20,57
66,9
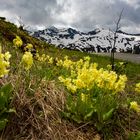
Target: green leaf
x,y
3,124
5,94
11,110
3,100
133,136
2,111
6,90
65,114
88,115
108,115
76,118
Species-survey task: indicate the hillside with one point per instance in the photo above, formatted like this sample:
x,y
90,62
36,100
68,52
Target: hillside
x,y
61,94
98,40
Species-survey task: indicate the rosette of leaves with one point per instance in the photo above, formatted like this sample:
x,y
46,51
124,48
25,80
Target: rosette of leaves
x,y
120,67
5,110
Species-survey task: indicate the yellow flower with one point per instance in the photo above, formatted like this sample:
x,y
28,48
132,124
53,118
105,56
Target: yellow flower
x,y
27,60
67,63
87,58
50,61
68,84
79,83
120,85
137,89
84,97
134,105
59,62
29,47
121,63
37,56
42,58
17,41
72,88
7,56
4,63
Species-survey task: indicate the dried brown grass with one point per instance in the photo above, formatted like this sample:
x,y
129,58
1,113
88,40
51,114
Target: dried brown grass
x,y
38,117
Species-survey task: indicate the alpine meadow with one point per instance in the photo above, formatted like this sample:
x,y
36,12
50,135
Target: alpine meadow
x,y
57,84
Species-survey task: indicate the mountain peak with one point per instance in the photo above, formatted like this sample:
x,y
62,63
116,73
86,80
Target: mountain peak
x,y
97,40
95,31
52,28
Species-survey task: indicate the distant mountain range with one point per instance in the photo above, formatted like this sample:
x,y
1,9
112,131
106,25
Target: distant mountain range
x,y
98,40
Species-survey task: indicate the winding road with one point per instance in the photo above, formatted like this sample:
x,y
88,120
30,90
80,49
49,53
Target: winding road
x,y
135,58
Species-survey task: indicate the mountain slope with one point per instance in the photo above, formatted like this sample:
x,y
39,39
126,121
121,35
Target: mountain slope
x,y
98,40
8,31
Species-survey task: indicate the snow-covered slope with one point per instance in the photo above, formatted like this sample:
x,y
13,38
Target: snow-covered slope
x,y
98,40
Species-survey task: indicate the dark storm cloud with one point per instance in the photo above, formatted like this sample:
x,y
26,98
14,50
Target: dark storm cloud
x,y
104,13
81,14
33,11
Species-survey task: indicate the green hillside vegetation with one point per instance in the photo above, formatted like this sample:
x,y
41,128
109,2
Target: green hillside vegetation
x,y
58,94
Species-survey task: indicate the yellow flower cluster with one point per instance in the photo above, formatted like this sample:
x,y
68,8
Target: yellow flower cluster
x,y
4,63
68,64
137,89
86,76
17,41
59,62
50,59
45,58
68,83
29,47
27,60
134,105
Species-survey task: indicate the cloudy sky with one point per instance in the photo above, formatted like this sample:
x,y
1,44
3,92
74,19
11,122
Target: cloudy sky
x,y
84,15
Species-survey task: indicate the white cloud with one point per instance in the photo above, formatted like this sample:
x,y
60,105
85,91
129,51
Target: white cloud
x,y
131,2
